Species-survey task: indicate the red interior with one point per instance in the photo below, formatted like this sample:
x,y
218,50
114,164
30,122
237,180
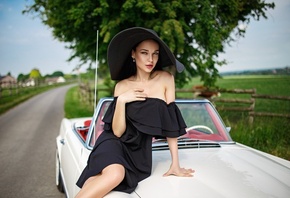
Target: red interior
x,y
193,134
85,129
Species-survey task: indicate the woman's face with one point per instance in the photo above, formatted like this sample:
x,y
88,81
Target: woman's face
x,y
146,55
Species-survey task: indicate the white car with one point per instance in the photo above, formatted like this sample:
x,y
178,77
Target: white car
x,y
223,167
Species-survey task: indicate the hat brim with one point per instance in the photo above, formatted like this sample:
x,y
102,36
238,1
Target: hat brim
x,y
121,45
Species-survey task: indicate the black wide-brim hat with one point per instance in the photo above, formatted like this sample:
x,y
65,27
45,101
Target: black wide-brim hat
x,y
120,47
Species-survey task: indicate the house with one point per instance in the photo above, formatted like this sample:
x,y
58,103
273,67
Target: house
x,y
54,80
7,81
30,82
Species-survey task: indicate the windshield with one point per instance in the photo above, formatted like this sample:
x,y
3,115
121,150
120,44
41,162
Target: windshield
x,y
202,120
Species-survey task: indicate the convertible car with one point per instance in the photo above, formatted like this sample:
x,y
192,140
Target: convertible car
x,y
224,168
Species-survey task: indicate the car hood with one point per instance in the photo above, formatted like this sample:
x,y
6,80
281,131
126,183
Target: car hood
x,y
228,171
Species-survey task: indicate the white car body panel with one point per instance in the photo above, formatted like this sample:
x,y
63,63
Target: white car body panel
x,y
227,169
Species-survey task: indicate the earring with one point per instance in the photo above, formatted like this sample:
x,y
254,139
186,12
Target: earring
x,y
133,59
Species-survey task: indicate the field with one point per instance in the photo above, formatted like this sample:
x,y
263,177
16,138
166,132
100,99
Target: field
x,y
269,134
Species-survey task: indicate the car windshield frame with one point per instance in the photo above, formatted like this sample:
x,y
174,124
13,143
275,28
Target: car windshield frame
x,y
210,118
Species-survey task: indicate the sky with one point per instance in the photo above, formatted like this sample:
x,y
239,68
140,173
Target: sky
x,y
25,43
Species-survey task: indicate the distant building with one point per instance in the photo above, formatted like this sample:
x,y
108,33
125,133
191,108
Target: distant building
x,y
54,80
29,83
7,81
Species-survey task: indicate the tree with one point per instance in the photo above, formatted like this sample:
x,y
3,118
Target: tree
x,y
21,78
196,30
36,75
57,74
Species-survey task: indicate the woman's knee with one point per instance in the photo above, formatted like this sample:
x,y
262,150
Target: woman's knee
x,y
116,172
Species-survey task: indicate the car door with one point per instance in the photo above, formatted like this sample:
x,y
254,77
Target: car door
x,y
96,128
71,152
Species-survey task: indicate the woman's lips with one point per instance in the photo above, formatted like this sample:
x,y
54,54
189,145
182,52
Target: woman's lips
x,y
149,66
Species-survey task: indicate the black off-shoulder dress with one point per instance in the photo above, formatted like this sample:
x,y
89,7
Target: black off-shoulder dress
x,y
144,120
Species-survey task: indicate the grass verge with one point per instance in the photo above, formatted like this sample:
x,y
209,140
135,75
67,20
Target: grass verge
x,y
7,102
270,135
74,107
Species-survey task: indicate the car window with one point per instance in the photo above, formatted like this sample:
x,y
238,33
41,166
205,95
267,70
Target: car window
x,y
99,124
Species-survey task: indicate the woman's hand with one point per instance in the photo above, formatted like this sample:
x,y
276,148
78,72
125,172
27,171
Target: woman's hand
x,y
179,172
131,95
175,168
119,119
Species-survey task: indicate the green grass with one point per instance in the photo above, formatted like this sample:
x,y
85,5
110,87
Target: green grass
x,y
8,101
74,107
264,85
270,135
272,85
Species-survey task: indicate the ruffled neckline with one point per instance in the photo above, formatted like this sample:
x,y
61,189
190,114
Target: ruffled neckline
x,y
152,116
150,98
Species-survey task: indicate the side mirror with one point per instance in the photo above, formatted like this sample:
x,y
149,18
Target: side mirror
x,y
228,129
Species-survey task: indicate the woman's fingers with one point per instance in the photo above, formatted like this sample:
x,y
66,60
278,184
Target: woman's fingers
x,y
182,172
139,94
138,90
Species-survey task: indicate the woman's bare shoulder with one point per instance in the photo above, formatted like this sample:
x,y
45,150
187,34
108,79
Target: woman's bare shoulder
x,y
166,82
163,75
121,87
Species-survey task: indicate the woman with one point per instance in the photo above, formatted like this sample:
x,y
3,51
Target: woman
x,y
143,107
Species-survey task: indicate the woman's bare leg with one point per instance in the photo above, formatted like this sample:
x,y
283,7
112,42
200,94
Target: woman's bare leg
x,y
100,185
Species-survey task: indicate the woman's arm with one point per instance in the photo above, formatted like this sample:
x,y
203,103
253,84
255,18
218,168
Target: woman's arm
x,y
124,96
172,142
119,119
169,84
175,167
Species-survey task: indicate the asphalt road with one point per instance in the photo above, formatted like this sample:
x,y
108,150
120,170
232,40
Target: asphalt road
x,y
27,146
